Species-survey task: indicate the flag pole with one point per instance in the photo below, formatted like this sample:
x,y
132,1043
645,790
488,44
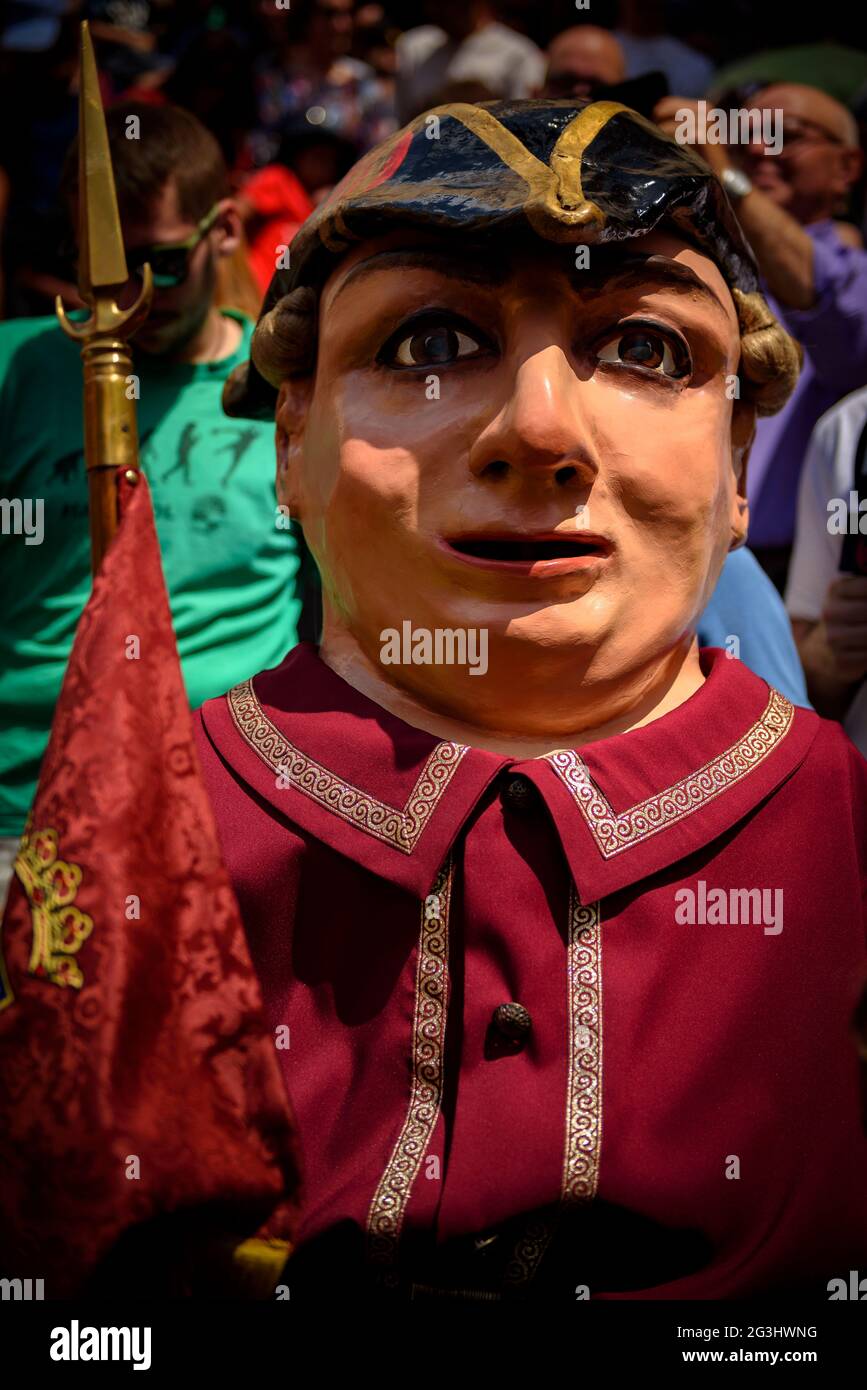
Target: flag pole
x,y
110,433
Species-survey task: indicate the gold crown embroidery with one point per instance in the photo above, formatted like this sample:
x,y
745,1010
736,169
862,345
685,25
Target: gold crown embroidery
x,y
59,928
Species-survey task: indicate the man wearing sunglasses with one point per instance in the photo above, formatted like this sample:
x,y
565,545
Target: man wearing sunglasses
x,y
814,268
184,324
232,563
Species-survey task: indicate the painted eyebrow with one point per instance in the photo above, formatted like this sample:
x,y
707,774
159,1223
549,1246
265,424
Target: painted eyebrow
x,y
609,270
470,269
635,270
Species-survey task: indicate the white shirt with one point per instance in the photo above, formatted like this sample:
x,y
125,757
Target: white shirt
x,y
509,64
828,472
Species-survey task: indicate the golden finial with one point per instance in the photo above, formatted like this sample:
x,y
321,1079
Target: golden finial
x,y
110,433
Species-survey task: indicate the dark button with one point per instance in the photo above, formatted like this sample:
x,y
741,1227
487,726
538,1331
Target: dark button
x,y
519,794
513,1023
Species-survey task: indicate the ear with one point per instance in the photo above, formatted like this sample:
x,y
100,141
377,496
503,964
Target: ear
x,y
851,165
743,434
293,403
227,228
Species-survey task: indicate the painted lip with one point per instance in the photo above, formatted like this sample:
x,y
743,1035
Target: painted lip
x,y
491,551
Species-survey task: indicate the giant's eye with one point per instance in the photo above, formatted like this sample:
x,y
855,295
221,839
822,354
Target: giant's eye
x,y
640,346
436,341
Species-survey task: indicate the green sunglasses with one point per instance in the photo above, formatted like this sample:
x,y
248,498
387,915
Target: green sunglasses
x,y
170,260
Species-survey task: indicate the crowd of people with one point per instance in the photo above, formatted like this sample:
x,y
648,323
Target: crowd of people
x,y
246,113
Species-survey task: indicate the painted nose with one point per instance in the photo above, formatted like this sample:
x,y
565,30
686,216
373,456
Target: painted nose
x,y
542,431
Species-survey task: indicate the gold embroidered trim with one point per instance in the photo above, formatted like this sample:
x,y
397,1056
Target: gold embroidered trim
x,y
583,1130
428,1043
401,829
614,833
584,1088
529,1249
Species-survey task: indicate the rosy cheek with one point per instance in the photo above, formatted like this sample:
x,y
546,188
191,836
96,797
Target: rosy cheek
x,y
380,483
321,451
671,472
392,434
418,400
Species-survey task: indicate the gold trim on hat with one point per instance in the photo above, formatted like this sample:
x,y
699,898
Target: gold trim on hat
x,y
556,205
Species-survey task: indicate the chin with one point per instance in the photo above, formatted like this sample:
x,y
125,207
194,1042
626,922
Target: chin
x,y
567,624
779,194
531,642
551,636
155,346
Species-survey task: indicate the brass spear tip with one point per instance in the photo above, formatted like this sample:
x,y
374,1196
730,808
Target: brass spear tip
x,y
102,260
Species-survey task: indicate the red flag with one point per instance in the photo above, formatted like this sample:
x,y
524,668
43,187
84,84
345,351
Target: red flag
x,y
137,1077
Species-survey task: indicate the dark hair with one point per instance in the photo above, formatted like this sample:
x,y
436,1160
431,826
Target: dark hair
x,y
172,144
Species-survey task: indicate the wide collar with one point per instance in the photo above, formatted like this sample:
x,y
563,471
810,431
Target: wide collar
x,y
393,798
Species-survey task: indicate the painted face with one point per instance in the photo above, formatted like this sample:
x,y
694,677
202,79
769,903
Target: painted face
x,y
508,443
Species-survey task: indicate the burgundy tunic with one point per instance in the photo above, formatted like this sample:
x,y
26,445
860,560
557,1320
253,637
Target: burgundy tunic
x,y
673,1110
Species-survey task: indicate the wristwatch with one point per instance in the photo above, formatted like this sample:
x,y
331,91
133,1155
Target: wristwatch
x,y
736,184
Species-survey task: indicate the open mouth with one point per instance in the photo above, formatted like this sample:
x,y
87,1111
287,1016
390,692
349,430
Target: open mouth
x,y
530,551
533,557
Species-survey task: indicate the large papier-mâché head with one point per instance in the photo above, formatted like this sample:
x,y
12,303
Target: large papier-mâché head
x,y
515,367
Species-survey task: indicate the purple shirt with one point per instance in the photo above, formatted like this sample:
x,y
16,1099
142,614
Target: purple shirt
x,y
833,334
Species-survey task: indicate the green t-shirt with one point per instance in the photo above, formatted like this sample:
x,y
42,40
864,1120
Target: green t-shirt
x,y
233,575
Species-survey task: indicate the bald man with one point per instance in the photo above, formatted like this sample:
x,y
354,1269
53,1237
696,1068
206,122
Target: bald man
x,y
582,59
820,159
815,273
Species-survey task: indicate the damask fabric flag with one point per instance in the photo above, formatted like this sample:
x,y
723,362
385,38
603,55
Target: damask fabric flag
x,y
141,1103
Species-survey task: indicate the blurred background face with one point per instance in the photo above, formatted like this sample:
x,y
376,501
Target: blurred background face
x,y
819,161
331,26
582,59
177,313
500,441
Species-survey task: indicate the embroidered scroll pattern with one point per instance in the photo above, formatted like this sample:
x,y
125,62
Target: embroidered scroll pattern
x,y
390,1199
614,833
584,1087
399,828
528,1252
583,1127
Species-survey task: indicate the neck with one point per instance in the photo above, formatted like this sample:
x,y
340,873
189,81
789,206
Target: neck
x,y
218,337
810,216
522,726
